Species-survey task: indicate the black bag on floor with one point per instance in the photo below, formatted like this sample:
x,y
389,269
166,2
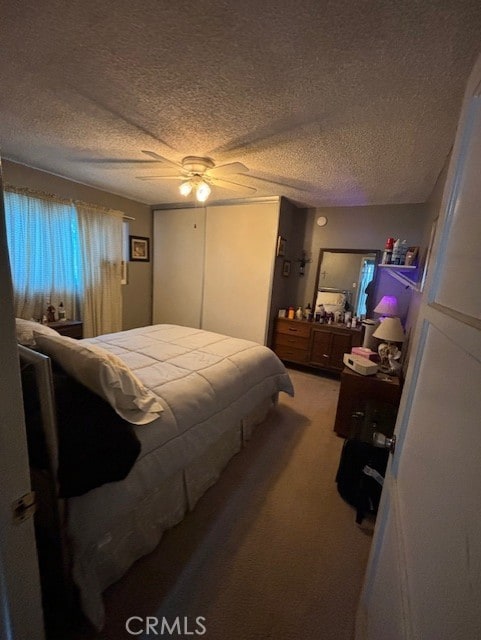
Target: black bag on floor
x,y
360,475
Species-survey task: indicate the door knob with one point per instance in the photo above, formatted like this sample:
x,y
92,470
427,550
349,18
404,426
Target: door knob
x,y
383,442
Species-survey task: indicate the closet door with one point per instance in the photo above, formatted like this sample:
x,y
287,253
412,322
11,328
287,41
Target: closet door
x,y
178,254
239,265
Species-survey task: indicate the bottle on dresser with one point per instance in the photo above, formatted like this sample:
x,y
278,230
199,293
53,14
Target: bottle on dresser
x,y
61,312
50,312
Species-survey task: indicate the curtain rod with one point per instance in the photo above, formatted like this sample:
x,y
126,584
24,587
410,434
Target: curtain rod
x,y
50,196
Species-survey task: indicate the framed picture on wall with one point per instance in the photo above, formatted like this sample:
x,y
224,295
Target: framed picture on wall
x,y
139,249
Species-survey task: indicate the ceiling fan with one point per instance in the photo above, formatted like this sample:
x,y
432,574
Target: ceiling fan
x,y
199,174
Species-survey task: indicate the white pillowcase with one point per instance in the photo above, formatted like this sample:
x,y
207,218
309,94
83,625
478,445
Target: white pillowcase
x,y
25,329
332,301
104,374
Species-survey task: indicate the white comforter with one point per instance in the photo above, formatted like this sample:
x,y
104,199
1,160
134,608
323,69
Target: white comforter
x,y
206,383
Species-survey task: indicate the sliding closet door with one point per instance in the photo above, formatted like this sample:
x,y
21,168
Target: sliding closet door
x,y
239,264
178,254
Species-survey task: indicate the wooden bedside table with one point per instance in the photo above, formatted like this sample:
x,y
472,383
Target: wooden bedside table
x,y
364,399
70,328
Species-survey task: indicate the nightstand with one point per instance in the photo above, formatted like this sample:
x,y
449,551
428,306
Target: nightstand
x,y
69,328
365,401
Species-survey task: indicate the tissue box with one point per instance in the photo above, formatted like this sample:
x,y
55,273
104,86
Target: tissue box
x,y
365,353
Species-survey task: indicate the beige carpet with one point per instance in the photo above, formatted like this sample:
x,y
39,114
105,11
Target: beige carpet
x,y
271,552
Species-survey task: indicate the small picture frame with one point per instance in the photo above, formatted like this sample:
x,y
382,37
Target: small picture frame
x,y
286,268
281,246
139,250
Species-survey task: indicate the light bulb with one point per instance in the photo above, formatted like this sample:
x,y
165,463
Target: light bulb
x,y
203,191
185,188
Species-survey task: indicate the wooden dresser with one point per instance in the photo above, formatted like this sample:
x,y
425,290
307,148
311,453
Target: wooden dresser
x,y
316,345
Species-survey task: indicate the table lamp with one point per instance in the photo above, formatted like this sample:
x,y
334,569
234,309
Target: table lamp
x,y
390,330
387,306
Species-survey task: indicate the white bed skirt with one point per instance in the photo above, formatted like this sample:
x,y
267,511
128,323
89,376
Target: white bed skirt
x,y
108,535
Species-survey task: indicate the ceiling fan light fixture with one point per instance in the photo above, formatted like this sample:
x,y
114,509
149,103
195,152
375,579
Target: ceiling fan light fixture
x,y
185,188
203,191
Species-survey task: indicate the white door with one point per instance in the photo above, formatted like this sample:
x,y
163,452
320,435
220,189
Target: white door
x,y
424,575
239,268
20,603
179,242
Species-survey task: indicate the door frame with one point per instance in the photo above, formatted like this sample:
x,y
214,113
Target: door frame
x,y
21,613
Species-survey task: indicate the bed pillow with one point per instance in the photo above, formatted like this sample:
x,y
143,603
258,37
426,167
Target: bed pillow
x,y
105,374
25,329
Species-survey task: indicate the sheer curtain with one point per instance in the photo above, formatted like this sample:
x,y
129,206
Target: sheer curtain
x,y
100,235
64,251
43,243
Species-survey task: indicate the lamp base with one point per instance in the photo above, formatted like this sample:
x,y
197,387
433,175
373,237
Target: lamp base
x,y
388,354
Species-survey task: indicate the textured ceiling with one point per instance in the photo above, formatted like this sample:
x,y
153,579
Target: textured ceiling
x,y
343,102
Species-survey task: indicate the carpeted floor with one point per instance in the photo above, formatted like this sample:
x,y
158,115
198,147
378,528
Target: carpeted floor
x,y
271,552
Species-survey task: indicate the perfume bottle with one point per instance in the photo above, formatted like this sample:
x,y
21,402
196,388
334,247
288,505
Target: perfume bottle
x,y
61,312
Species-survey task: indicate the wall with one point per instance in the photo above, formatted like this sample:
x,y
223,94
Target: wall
x,y
292,227
362,228
347,228
137,294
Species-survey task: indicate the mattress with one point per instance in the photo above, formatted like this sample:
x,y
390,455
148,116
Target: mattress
x,y
211,387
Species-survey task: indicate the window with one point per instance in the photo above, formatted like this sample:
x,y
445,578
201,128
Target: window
x,y
62,251
45,256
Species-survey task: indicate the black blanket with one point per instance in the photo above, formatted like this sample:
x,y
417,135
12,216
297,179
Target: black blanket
x,y
96,445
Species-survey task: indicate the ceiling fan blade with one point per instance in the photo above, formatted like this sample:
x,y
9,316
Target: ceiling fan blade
x,y
280,184
283,132
116,161
160,158
227,169
232,186
167,172
161,177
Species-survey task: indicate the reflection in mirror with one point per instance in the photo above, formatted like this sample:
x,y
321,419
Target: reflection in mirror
x,y
346,280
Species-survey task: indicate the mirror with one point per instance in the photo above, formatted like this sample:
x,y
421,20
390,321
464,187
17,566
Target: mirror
x,y
347,272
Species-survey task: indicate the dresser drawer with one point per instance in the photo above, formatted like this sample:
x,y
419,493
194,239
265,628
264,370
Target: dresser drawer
x,y
294,327
291,354
291,340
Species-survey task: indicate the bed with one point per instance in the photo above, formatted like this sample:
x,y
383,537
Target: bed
x,y
199,397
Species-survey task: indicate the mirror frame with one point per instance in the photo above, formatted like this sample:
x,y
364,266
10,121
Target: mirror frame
x,y
322,250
